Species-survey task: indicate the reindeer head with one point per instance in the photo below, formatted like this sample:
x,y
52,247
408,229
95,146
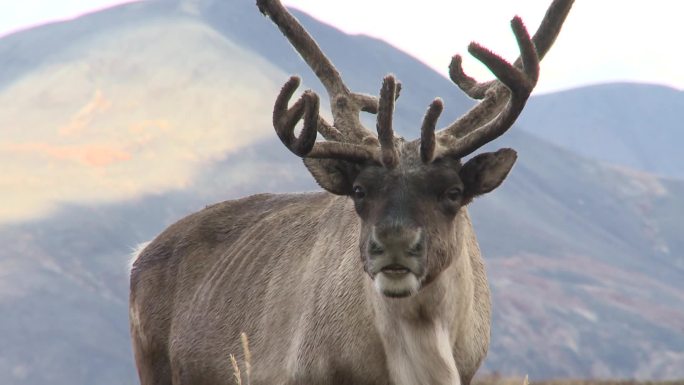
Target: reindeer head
x,y
408,195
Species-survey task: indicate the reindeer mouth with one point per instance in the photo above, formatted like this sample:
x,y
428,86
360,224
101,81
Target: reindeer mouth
x,y
396,281
395,270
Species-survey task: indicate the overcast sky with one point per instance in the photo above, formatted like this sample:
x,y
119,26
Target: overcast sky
x,y
602,41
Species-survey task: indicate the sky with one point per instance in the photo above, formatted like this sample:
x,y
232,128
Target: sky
x,y
602,40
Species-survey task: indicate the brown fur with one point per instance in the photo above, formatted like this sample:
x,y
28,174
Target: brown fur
x,y
382,284
285,270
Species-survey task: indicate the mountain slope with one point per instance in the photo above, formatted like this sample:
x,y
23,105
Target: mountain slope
x,y
634,125
585,260
115,114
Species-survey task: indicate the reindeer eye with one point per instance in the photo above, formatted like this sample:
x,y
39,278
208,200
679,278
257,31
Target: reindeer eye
x,y
359,192
454,193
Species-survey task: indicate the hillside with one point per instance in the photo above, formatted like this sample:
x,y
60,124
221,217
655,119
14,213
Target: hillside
x,y
123,121
633,125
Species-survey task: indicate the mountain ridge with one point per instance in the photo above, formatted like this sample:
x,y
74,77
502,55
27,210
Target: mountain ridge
x,y
614,113
578,234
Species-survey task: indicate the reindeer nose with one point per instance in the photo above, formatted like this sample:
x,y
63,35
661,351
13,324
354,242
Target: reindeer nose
x,y
396,241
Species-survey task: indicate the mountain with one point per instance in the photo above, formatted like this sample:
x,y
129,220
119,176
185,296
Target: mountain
x,y
121,122
633,125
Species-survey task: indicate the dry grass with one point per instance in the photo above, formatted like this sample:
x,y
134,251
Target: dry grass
x,y
236,370
247,363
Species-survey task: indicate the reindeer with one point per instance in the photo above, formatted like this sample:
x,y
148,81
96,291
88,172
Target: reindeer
x,y
378,280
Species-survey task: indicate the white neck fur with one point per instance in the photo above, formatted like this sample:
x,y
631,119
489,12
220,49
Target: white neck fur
x,y
417,331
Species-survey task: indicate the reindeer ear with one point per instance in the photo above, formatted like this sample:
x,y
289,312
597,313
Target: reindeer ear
x,y
334,175
485,172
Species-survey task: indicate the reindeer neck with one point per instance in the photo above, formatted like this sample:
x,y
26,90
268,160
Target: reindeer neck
x,y
416,331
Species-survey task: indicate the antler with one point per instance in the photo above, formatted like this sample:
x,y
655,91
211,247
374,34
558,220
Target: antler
x,y
543,39
501,102
347,137
502,99
285,119
306,109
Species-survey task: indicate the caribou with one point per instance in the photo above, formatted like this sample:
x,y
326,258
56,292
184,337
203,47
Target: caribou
x,y
378,279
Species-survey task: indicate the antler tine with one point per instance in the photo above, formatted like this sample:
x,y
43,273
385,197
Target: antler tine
x,y
345,105
550,27
486,121
427,130
467,84
519,83
306,108
543,39
285,119
329,132
305,45
370,103
390,158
